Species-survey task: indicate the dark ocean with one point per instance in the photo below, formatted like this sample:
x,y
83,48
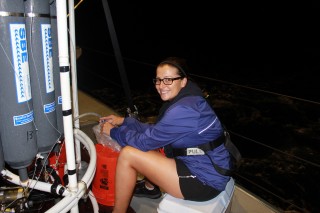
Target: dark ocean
x,y
256,62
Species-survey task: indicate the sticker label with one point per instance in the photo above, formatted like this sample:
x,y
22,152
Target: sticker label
x,y
60,100
195,151
47,56
23,119
49,107
20,62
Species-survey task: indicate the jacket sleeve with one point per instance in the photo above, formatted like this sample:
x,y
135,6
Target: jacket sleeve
x,y
136,125
176,124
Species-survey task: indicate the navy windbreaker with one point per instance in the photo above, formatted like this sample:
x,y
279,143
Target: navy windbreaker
x,y
188,122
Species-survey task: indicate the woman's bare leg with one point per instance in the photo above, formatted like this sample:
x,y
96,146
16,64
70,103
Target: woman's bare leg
x,y
125,181
153,165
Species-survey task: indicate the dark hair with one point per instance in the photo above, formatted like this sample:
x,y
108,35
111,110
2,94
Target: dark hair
x,y
179,63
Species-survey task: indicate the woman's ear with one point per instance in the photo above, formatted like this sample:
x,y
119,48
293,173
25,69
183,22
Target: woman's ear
x,y
184,82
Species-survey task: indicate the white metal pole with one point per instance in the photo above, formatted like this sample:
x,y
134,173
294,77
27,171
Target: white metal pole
x,y
72,43
65,92
74,75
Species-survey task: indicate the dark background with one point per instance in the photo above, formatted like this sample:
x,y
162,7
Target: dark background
x,y
271,44
263,57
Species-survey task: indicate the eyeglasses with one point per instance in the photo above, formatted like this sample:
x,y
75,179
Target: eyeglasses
x,y
166,81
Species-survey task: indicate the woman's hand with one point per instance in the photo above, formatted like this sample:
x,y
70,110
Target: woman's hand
x,y
112,119
106,128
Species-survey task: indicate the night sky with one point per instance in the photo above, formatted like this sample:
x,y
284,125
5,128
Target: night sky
x,y
246,42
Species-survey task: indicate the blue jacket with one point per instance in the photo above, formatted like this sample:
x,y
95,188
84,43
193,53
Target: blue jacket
x,y
188,122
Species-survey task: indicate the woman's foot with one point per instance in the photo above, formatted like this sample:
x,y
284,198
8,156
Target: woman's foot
x,y
146,189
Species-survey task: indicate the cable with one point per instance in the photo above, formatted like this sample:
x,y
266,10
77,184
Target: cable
x,y
275,149
86,114
252,88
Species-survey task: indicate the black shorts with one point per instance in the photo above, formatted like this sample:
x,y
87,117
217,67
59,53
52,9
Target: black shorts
x,y
191,187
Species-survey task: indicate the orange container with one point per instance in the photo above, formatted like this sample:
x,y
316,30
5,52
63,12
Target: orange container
x,y
103,186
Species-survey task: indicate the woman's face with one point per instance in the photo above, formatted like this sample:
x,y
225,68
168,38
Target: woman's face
x,y
168,92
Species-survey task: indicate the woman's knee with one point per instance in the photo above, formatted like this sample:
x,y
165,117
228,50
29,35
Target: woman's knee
x,y
127,153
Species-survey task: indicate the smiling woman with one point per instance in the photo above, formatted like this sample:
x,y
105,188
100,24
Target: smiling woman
x,y
186,121
172,83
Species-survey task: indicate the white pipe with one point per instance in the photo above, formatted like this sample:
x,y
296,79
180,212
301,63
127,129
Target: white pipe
x,y
35,184
74,75
72,199
62,33
65,92
69,201
75,110
88,176
94,202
